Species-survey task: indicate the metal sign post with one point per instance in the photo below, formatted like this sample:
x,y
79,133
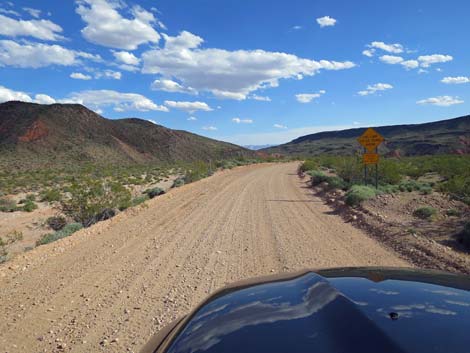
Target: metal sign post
x,y
371,140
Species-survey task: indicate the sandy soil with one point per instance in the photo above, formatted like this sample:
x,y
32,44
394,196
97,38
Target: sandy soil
x,y
111,286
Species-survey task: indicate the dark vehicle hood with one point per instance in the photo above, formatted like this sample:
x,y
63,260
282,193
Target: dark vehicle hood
x,y
345,310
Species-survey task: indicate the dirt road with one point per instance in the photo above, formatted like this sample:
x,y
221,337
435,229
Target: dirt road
x,y
109,287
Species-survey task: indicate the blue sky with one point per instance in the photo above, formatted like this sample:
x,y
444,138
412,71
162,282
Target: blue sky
x,y
248,72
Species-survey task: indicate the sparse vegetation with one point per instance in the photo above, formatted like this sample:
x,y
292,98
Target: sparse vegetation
x,y
178,182
154,192
68,230
29,206
359,193
452,212
425,212
10,238
56,222
51,195
7,205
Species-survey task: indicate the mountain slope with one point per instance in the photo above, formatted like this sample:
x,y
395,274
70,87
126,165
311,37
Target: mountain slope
x,y
414,139
36,135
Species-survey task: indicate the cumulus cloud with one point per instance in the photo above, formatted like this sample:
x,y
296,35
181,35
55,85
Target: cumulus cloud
x,y
308,97
44,99
368,52
189,107
170,86
410,64
326,21
107,27
7,94
456,80
427,60
395,48
109,74
192,118
442,101
126,58
391,59
242,121
228,74
35,55
96,99
80,76
280,126
372,89
40,29
209,128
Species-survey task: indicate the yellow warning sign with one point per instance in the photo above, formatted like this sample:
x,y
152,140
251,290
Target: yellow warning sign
x,y
370,158
370,139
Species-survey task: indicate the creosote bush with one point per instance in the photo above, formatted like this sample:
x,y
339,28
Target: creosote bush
x,y
425,212
56,222
68,230
359,193
154,192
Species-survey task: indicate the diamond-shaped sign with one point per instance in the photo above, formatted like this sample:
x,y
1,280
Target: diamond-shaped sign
x,y
370,139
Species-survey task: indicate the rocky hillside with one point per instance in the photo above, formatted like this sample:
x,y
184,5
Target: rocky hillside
x,y
34,135
445,136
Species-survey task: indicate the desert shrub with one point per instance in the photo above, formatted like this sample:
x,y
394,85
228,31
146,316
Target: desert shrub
x,y
388,189
7,205
425,212
56,222
335,182
317,177
389,172
138,200
94,201
197,171
453,212
51,195
68,230
307,165
458,187
425,189
464,235
154,192
13,237
358,194
29,206
178,182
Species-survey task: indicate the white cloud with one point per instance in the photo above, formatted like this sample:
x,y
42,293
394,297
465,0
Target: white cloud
x,y
326,21
106,26
32,12
427,60
192,118
189,107
7,94
34,55
442,101
260,98
391,59
456,80
296,28
395,48
126,58
80,76
110,74
9,12
242,121
228,74
95,99
40,29
368,52
170,86
44,99
280,126
410,64
209,128
308,97
372,89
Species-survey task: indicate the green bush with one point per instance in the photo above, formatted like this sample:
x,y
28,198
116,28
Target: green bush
x,y
178,182
425,212
29,206
7,205
359,193
138,200
335,182
51,195
56,222
306,166
452,212
317,177
154,192
94,201
197,171
68,230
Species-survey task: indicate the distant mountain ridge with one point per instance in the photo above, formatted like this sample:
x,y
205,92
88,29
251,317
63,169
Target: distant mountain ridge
x,y
439,137
37,135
